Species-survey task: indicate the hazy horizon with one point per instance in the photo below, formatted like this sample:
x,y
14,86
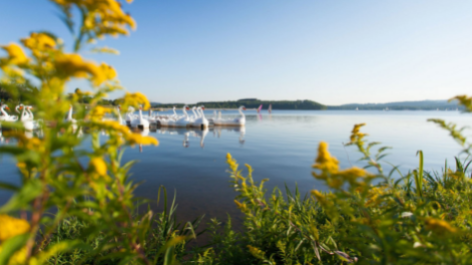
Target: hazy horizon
x,y
387,102
330,52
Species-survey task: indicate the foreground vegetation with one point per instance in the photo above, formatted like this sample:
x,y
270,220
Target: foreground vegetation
x,y
75,205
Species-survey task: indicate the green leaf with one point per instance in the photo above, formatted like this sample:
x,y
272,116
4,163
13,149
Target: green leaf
x,y
12,245
61,247
20,200
8,186
419,175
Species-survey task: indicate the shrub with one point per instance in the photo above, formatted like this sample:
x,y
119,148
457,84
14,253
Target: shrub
x,y
87,190
419,218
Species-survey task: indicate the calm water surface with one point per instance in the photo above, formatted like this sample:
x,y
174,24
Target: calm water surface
x,y
280,146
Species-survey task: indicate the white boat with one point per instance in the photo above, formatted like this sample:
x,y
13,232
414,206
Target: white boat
x,y
27,118
240,121
130,116
200,121
4,116
177,121
71,120
139,122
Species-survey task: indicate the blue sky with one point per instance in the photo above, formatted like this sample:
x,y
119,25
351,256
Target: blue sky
x,y
333,52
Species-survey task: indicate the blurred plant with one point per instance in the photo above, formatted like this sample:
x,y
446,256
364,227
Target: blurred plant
x,y
365,218
65,184
456,133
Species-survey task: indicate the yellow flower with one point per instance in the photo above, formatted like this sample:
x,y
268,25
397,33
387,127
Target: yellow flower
x,y
103,17
72,65
113,126
11,227
16,54
329,170
356,135
39,41
241,206
464,101
440,227
19,257
232,163
134,138
106,73
352,173
374,194
256,252
33,143
99,165
324,161
135,99
98,112
320,197
456,175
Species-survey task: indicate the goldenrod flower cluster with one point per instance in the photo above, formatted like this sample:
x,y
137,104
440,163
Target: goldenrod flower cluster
x,y
59,64
39,44
33,143
102,17
135,138
242,206
135,100
11,227
130,137
98,166
99,112
324,161
356,135
464,101
455,174
374,196
231,162
325,200
328,167
72,65
256,252
440,227
16,55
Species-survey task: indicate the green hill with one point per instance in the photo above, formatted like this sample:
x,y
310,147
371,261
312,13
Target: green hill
x,y
255,103
402,105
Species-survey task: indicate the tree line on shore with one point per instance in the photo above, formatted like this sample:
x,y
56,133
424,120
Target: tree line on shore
x,y
254,103
276,104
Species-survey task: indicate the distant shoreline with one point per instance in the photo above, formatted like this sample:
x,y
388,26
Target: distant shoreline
x,y
253,103
266,111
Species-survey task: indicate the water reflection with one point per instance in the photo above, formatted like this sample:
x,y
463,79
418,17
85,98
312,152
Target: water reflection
x,y
187,134
217,130
28,134
281,147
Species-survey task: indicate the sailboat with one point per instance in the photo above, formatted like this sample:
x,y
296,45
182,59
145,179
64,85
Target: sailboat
x,y
270,108
259,109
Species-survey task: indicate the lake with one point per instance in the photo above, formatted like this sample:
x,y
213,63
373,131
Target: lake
x,y
280,146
